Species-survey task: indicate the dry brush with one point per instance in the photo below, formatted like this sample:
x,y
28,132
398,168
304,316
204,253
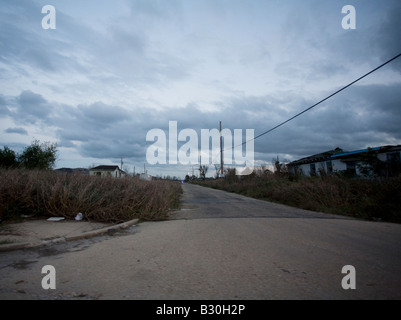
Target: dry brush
x,y
47,193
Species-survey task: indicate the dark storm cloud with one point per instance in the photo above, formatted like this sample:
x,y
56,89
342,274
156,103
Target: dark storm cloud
x,y
91,126
387,39
100,114
21,131
362,116
382,105
375,39
365,116
87,126
32,108
369,109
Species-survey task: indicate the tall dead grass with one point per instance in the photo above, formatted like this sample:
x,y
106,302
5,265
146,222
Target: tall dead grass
x,y
361,198
47,193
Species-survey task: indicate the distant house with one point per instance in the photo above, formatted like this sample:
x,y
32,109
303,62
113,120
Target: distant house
x,y
107,171
338,160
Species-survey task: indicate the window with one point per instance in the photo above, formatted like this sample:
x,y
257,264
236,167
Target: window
x,y
393,157
393,164
312,169
329,167
351,168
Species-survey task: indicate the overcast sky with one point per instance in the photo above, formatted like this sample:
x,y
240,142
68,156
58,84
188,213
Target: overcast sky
x,y
113,70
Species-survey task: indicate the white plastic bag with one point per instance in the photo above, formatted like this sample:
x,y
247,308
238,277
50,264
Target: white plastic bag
x,y
55,219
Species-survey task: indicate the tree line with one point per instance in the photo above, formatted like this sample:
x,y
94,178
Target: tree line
x,y
35,156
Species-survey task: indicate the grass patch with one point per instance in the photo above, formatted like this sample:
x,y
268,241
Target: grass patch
x,y
48,193
361,198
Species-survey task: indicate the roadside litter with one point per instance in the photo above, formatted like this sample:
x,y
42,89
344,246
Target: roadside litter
x,y
55,219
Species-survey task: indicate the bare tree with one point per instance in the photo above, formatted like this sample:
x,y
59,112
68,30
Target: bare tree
x,y
202,171
279,167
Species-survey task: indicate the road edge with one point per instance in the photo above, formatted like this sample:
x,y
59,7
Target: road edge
x,y
84,235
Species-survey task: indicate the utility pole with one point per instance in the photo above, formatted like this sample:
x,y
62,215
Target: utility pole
x,y
200,166
121,164
221,153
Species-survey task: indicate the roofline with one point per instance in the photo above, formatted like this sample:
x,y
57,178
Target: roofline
x,y
354,152
319,157
306,160
106,168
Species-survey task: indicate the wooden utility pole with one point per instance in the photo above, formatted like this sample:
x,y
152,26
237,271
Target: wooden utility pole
x,y
221,152
200,166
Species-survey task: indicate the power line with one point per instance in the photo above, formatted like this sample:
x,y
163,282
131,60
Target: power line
x,y
316,104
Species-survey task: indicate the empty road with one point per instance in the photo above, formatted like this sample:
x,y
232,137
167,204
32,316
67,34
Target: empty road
x,y
218,246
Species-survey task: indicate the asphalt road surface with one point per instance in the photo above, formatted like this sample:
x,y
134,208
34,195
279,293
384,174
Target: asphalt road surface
x,y
218,246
